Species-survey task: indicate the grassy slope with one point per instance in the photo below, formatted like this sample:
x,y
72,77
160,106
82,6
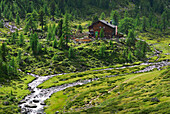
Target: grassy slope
x,y
136,91
19,89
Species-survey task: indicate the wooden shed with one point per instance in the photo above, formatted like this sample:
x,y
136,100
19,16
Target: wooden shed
x,y
109,29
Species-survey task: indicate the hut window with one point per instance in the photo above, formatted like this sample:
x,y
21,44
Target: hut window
x,y
100,27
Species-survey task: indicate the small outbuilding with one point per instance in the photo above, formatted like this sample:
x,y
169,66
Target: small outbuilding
x,y
110,30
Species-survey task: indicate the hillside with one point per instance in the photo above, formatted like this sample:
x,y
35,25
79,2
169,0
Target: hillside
x,y
51,61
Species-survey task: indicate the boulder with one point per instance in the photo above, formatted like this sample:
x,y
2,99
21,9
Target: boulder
x,y
6,103
35,100
57,112
21,102
31,105
42,103
155,100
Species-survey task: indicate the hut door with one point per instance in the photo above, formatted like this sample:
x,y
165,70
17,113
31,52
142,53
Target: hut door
x,y
96,33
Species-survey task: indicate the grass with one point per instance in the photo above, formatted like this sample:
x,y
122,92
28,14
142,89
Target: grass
x,y
73,77
13,92
136,91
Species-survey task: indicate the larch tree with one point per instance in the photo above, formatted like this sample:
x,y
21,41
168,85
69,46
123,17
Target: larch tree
x,y
102,16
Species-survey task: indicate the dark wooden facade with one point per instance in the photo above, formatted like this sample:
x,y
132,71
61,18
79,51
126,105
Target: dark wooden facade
x,y
109,29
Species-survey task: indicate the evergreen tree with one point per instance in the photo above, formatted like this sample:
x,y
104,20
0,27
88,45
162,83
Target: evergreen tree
x,y
41,18
164,19
21,39
52,8
130,57
137,22
125,25
4,51
60,28
55,43
79,28
126,14
131,38
115,17
61,42
1,24
102,51
71,52
95,19
102,33
102,16
66,28
19,56
17,19
144,24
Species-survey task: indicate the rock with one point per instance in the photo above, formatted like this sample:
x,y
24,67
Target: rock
x,y
21,102
31,105
118,93
57,112
6,103
35,101
42,103
155,100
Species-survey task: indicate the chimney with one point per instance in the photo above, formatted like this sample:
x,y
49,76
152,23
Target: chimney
x,y
116,31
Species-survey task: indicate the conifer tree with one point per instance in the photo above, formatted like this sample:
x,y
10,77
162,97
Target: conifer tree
x,y
17,19
102,33
21,39
66,28
115,17
144,24
102,16
71,52
41,18
1,24
60,28
55,43
164,20
4,51
102,51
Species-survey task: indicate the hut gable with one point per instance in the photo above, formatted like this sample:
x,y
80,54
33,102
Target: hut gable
x,y
109,29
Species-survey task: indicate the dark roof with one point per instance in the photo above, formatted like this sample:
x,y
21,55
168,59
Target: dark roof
x,y
104,22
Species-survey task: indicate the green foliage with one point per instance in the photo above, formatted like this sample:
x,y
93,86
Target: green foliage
x,y
17,19
55,43
41,18
71,52
102,16
60,28
102,51
144,24
102,33
115,17
34,43
125,25
95,19
1,23
131,38
79,28
21,39
164,19
61,42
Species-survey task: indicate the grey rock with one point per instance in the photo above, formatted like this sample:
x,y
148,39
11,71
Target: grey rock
x,y
31,105
35,101
21,102
57,112
6,103
155,100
